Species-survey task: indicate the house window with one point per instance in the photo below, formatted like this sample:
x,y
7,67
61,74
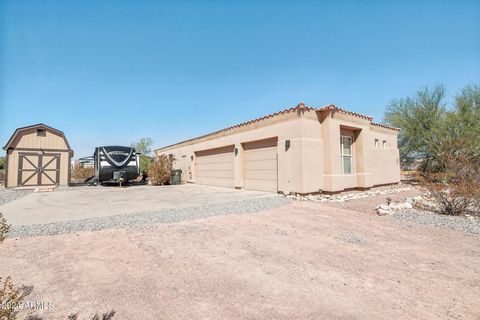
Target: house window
x,y
346,154
384,144
376,143
41,133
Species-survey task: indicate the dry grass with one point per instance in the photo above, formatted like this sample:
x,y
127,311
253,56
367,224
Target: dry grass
x,y
82,173
161,170
457,188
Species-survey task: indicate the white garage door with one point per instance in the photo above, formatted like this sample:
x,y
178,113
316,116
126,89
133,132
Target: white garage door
x,y
215,167
260,160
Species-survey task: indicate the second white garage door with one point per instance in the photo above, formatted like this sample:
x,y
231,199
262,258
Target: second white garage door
x,y
260,165
215,167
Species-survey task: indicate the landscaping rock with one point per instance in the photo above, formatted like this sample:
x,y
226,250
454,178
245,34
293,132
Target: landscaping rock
x,y
426,205
346,197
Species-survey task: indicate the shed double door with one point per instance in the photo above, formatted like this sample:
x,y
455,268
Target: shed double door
x,y
36,169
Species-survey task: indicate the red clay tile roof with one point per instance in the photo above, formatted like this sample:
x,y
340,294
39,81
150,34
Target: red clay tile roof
x,y
384,126
301,106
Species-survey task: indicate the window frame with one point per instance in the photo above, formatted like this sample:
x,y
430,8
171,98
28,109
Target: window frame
x,y
41,133
343,155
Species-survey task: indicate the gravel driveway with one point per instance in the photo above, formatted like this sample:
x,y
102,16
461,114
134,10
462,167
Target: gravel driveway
x,y
145,220
88,204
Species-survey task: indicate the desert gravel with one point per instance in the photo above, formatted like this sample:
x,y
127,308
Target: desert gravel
x,y
8,195
469,225
77,187
461,223
146,220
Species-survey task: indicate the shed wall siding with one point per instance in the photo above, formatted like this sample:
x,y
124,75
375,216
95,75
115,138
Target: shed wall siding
x,y
29,139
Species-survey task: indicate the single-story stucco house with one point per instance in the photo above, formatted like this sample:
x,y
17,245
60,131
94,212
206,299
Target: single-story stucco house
x,y
301,149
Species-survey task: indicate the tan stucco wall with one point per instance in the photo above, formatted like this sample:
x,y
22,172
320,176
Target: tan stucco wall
x,y
313,161
28,141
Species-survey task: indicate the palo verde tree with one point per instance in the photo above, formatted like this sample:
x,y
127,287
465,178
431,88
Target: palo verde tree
x,y
144,146
420,117
444,141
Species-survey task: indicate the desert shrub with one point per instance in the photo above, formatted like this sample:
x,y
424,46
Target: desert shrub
x,y
105,316
4,228
82,173
161,170
456,188
2,162
10,297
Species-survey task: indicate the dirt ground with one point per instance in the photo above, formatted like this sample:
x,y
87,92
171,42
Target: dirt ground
x,y
303,261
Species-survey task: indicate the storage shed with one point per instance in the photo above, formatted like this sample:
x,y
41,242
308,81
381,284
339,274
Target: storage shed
x,y
37,155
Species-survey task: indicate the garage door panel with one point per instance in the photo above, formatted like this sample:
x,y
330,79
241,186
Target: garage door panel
x,y
215,174
261,175
261,185
215,167
224,158
260,165
220,182
262,154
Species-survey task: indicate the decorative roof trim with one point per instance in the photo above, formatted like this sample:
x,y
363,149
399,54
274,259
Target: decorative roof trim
x,y
384,126
301,107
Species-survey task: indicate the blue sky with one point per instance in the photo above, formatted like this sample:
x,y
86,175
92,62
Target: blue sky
x,y
110,72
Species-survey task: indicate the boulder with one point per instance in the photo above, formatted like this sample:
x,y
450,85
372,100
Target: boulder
x,y
426,205
382,212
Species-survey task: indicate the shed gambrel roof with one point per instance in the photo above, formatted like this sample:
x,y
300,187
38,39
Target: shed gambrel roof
x,y
36,126
299,108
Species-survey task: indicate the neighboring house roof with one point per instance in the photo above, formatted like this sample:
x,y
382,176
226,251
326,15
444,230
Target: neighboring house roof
x,y
300,107
36,126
